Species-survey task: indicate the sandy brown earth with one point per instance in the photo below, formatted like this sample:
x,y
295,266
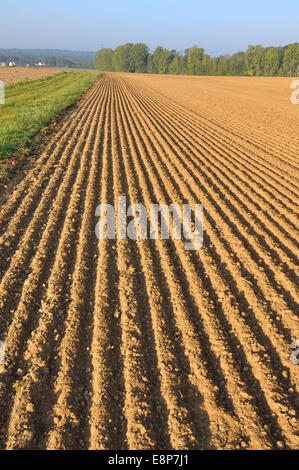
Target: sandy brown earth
x,y
20,74
116,344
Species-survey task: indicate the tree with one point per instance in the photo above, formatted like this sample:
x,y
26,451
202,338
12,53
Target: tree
x,y
254,60
161,60
214,66
172,54
222,66
183,67
51,61
205,65
271,62
150,64
139,55
236,64
61,62
291,60
174,66
103,60
195,57
121,59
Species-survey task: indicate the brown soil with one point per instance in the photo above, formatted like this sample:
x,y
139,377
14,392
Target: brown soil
x,y
116,344
19,74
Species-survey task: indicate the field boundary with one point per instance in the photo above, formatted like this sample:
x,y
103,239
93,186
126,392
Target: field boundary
x,y
13,169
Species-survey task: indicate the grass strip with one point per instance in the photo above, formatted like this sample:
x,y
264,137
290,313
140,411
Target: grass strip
x,y
30,106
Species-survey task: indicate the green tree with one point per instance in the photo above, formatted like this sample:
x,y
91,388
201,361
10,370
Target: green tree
x,y
161,60
61,62
150,64
122,60
214,66
236,64
183,66
139,55
195,57
51,61
271,62
103,60
254,60
222,66
174,66
205,65
291,60
172,54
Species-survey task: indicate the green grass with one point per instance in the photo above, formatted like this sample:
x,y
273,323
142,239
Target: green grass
x,y
30,106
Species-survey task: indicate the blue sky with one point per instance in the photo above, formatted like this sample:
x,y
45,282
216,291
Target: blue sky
x,y
219,26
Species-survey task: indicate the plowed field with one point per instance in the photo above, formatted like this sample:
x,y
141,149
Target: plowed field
x,y
19,74
122,344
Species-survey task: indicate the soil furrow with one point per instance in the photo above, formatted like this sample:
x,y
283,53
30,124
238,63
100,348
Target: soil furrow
x,y
40,352
135,342
158,184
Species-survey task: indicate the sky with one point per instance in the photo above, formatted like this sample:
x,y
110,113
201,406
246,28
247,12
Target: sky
x,y
219,27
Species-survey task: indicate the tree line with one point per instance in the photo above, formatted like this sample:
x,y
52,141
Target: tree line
x,y
50,61
53,61
255,61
